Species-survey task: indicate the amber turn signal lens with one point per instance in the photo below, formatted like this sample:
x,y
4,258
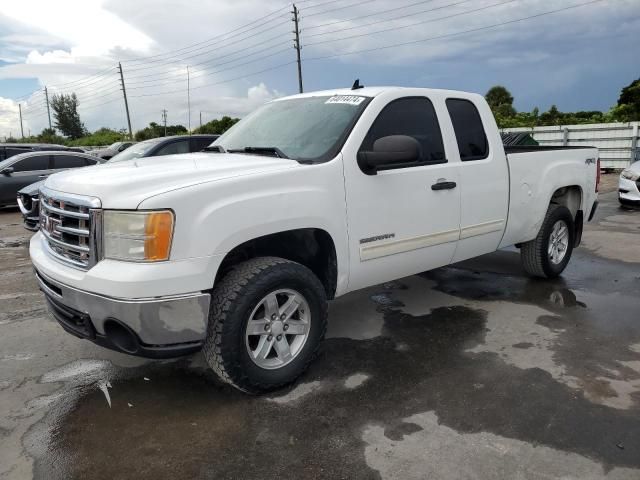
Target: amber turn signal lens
x,y
158,230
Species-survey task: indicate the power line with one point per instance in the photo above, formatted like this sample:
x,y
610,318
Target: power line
x,y
454,34
214,59
240,50
309,7
209,40
313,27
421,22
205,71
389,19
158,81
84,79
336,9
217,83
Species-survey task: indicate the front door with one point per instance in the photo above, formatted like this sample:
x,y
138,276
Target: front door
x,y
26,171
402,221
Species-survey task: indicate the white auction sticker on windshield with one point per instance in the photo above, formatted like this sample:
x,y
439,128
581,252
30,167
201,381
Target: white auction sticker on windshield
x,y
348,99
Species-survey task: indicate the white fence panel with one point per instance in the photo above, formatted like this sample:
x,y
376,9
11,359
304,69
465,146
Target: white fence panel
x,y
618,143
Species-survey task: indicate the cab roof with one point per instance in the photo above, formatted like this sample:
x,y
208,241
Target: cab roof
x,y
375,91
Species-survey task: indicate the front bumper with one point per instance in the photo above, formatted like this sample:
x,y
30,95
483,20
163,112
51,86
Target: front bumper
x,y
159,327
30,212
628,191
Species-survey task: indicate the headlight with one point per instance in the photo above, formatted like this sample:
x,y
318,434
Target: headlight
x,y
629,175
137,236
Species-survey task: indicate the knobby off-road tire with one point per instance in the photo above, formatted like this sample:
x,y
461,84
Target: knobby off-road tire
x,y
535,254
239,297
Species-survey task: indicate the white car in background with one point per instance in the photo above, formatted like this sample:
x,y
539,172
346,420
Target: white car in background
x,y
629,185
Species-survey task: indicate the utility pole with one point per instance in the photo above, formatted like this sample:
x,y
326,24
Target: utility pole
x,y
126,104
46,94
296,43
201,120
20,110
164,119
189,99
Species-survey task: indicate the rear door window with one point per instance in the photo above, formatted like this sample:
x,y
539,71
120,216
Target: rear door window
x,y
67,161
467,124
181,146
32,164
198,143
412,116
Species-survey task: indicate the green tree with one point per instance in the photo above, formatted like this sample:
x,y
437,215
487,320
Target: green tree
x,y
217,126
67,118
155,130
628,107
102,136
49,135
551,117
501,102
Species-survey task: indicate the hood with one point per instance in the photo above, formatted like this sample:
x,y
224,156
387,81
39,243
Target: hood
x,y
126,184
634,167
31,189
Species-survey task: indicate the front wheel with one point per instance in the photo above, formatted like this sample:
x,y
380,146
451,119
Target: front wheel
x,y
548,254
267,319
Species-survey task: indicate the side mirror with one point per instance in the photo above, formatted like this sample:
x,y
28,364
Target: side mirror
x,y
7,171
394,151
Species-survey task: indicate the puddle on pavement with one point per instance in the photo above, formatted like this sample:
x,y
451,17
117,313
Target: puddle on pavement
x,y
446,350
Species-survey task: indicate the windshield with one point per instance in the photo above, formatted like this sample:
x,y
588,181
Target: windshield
x,y
137,150
13,159
309,128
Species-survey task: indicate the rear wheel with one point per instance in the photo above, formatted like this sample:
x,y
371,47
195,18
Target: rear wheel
x,y
548,254
267,319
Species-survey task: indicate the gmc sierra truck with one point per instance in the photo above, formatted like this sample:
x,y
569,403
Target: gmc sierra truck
x,y
236,250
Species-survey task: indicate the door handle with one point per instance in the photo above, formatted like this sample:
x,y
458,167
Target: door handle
x,y
443,186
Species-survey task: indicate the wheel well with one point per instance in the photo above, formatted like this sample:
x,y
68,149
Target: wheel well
x,y
311,247
570,197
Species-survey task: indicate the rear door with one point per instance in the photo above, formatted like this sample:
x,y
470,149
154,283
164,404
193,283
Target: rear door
x,y
399,221
63,161
25,172
484,180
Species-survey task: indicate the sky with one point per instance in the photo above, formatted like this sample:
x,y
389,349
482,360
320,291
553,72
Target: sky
x,y
240,53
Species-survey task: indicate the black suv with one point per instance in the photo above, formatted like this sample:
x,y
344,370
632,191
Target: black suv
x,y
8,150
165,146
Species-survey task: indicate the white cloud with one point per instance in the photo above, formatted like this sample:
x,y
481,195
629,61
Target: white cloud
x,y
55,56
9,118
85,24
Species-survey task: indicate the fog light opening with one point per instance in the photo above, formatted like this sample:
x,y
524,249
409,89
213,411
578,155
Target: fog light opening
x,y
121,337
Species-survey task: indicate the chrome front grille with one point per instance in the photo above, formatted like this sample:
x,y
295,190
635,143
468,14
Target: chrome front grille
x,y
69,224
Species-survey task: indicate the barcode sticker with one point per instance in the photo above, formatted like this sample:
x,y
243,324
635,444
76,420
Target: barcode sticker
x,y
348,99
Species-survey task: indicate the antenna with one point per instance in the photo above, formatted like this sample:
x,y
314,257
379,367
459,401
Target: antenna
x,y
356,85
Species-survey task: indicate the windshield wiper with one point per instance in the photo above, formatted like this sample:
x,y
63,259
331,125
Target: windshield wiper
x,y
213,148
273,151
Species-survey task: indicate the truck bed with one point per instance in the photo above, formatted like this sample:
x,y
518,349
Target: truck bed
x,y
514,149
535,173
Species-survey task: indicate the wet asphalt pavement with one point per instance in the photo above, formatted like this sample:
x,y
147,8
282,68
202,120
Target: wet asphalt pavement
x,y
470,371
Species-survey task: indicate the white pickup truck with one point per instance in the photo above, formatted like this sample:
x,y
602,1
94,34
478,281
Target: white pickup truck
x,y
236,250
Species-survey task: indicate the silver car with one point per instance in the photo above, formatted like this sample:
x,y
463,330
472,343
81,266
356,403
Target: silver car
x,y
629,185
